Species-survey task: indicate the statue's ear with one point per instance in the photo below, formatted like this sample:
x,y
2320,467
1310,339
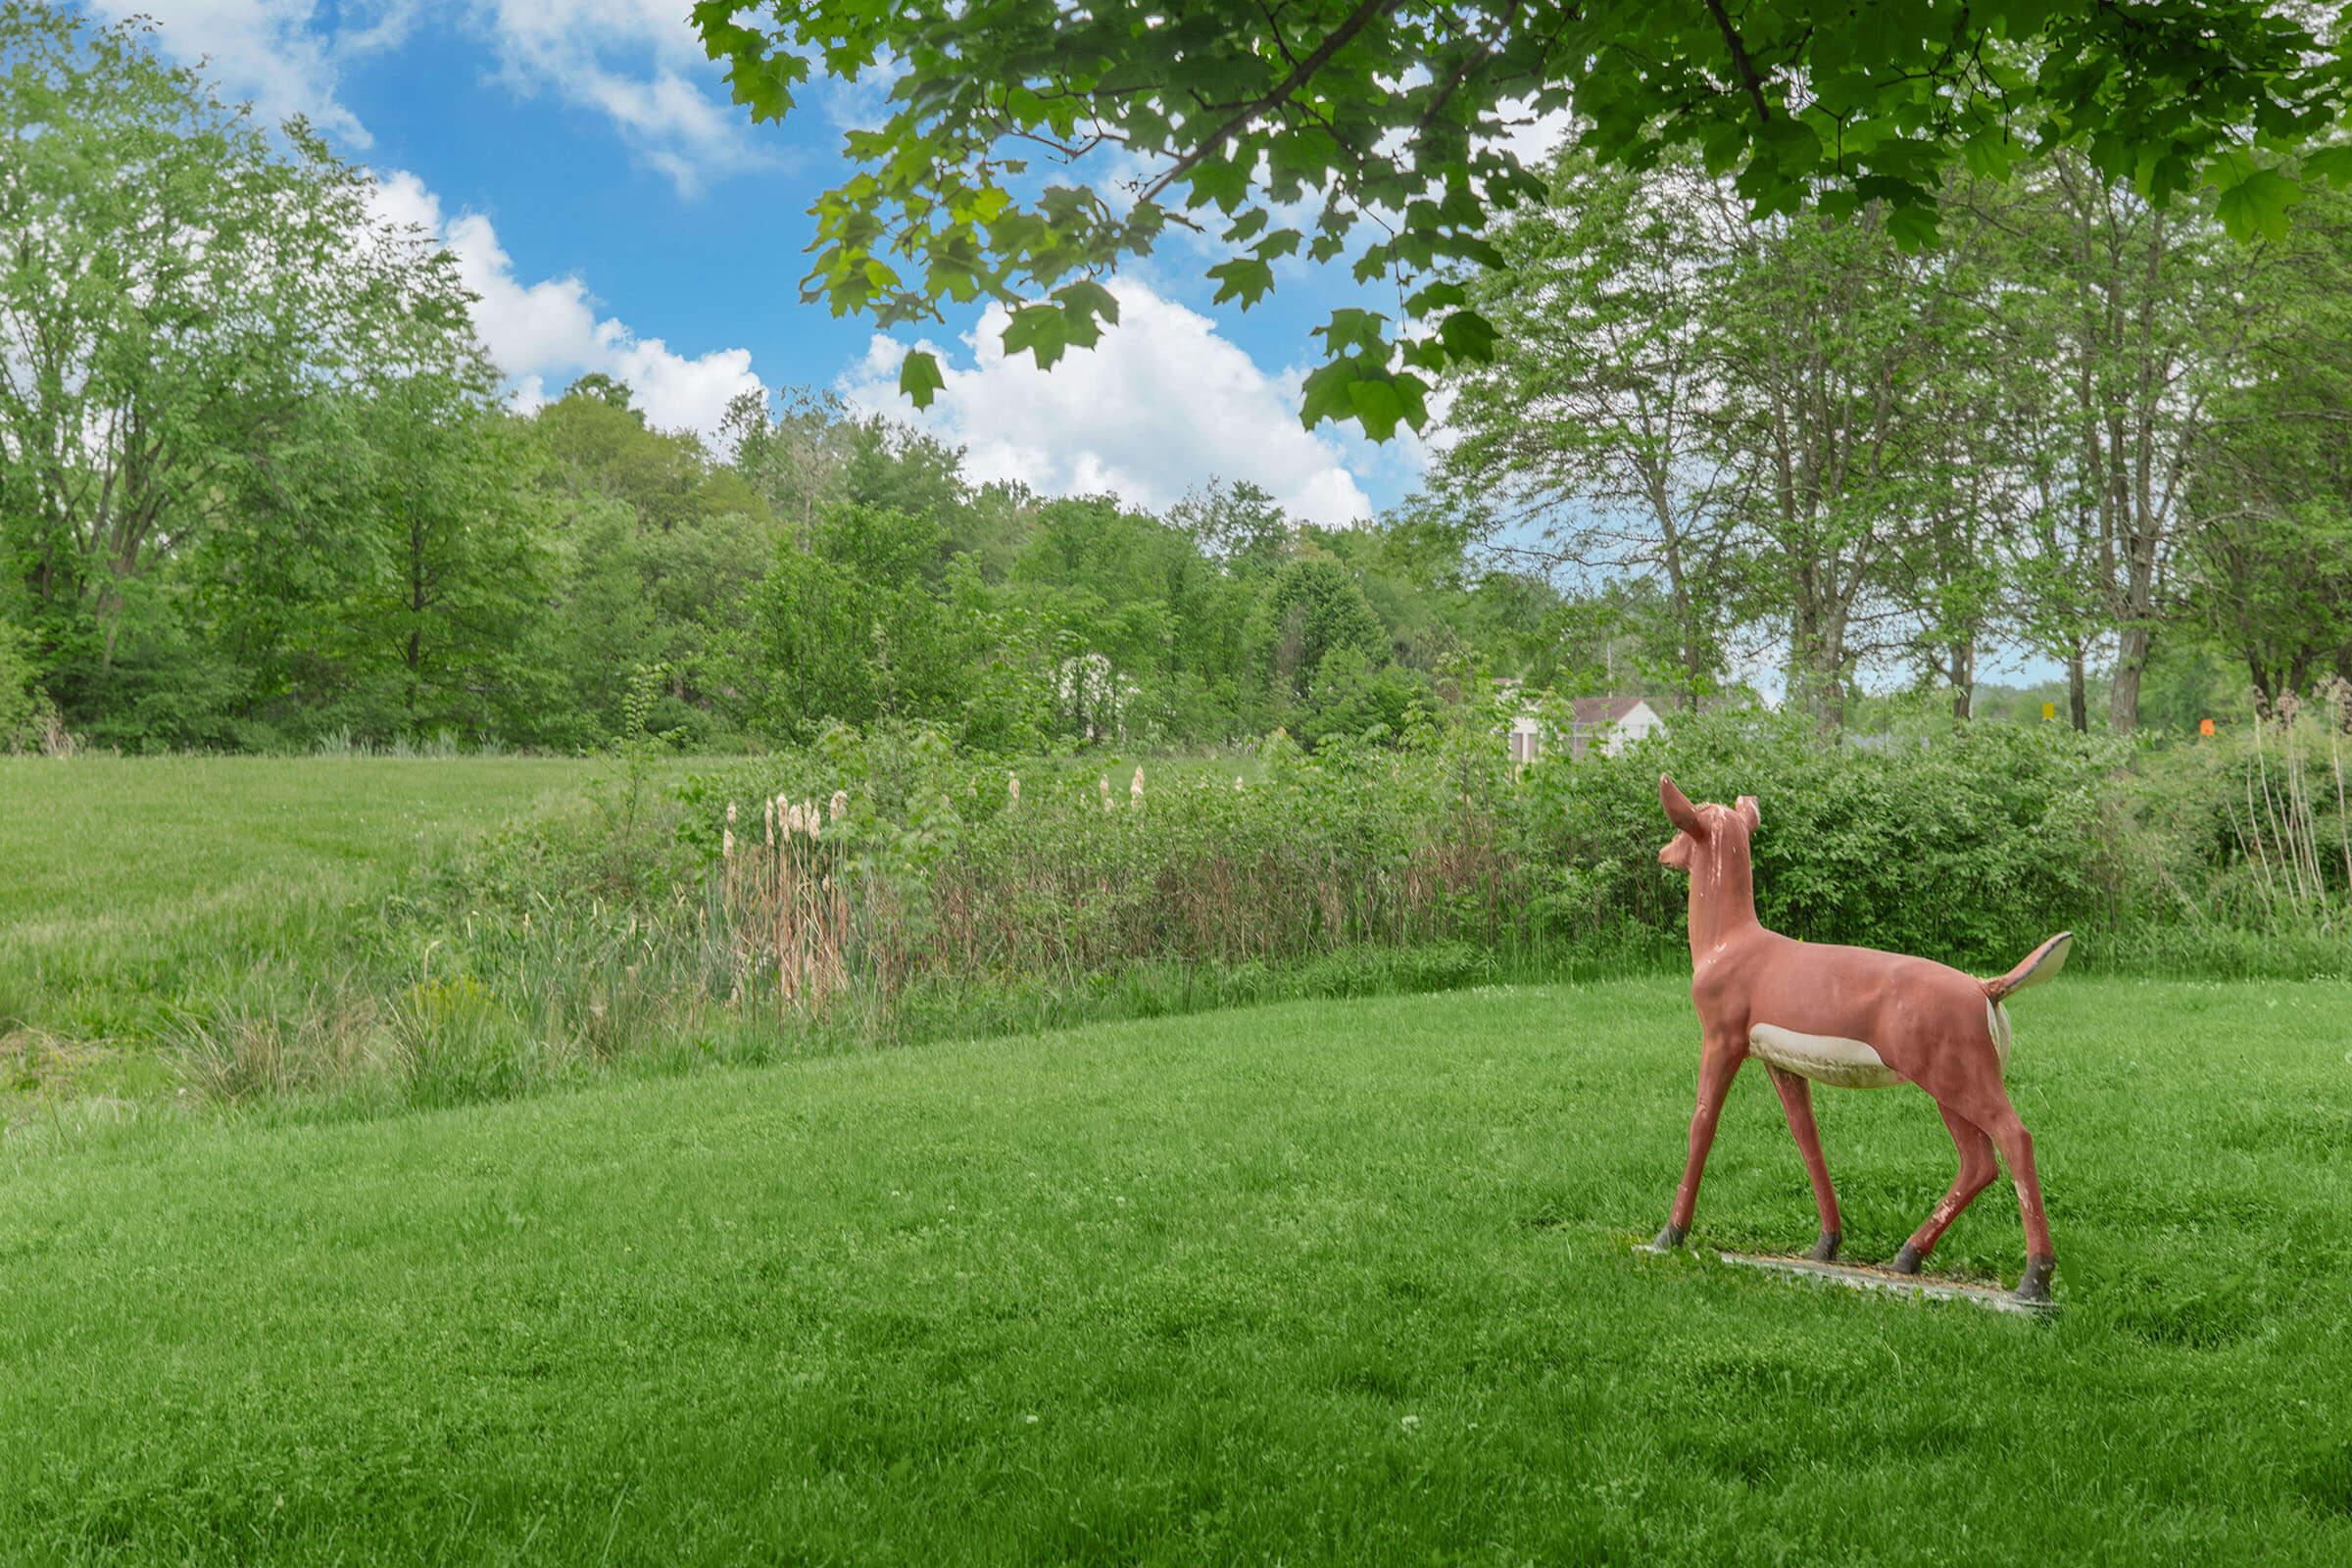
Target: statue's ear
x,y
1748,809
1679,810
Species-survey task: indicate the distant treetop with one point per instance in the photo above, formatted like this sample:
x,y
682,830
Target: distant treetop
x,y
603,388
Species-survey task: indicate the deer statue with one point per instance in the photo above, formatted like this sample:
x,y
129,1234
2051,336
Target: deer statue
x,y
1849,1016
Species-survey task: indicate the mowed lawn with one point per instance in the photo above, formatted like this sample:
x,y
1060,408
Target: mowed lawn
x,y
1310,1283
126,883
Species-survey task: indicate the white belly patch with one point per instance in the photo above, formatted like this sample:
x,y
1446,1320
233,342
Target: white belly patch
x,y
1824,1059
1851,1064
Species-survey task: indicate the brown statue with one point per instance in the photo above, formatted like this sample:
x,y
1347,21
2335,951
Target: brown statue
x,y
1849,1016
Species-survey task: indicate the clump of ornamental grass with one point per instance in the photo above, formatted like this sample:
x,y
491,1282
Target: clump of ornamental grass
x,y
257,1049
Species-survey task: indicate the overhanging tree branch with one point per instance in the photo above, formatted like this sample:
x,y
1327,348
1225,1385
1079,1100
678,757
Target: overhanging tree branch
x,y
1357,21
1741,62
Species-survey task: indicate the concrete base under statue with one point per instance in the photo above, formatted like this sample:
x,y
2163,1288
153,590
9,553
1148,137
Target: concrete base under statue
x,y
1862,1277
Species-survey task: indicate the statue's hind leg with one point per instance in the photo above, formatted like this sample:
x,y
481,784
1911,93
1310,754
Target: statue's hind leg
x,y
1976,1171
2017,1148
1796,1100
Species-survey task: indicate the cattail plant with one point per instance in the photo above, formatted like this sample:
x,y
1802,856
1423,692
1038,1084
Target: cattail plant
x,y
2338,695
783,907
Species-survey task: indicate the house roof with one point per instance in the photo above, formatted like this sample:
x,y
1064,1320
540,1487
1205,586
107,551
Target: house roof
x,y
1602,710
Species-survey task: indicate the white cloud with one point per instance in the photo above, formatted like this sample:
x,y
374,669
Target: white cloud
x,y
640,64
543,335
1533,137
1161,405
271,52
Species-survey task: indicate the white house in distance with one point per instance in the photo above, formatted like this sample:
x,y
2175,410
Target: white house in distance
x,y
1611,722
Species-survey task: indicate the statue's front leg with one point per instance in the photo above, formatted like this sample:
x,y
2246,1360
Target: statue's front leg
x,y
1719,1061
1797,1102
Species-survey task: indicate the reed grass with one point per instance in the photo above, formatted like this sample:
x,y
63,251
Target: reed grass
x,y
2293,774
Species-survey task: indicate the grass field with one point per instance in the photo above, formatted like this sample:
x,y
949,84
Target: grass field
x,y
136,887
1308,1283
125,875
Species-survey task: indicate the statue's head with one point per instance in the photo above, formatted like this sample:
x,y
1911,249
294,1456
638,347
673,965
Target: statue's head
x,y
1705,830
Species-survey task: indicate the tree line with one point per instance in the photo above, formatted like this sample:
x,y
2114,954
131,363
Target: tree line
x,y
2078,423
258,489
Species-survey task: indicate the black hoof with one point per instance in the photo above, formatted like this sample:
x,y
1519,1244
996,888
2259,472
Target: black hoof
x,y
1907,1260
1670,1238
2035,1287
1824,1249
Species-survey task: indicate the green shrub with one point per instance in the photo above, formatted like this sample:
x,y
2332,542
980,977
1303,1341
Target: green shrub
x,y
27,719
939,871
1969,850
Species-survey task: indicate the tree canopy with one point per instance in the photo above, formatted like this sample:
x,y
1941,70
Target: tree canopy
x,y
1248,126
260,489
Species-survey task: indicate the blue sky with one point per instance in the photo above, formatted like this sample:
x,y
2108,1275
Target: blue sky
x,y
616,213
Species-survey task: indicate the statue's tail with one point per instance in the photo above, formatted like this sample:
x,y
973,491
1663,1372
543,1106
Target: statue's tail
x,y
2042,963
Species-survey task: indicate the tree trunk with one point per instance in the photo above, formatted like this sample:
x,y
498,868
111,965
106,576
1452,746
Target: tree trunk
x,y
2122,699
1815,662
1964,679
412,651
2078,699
1687,627
108,611
1694,659
2261,672
1823,690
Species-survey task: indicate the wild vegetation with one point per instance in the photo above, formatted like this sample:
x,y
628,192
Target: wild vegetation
x,y
302,931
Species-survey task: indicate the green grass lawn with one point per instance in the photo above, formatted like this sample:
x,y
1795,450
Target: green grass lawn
x,y
1315,1282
